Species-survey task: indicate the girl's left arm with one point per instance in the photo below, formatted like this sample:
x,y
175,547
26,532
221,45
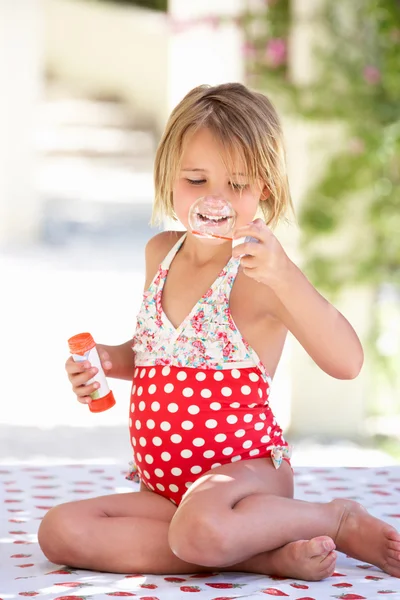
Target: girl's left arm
x,y
320,328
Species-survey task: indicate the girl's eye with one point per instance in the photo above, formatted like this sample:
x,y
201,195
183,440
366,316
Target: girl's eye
x,y
196,181
239,186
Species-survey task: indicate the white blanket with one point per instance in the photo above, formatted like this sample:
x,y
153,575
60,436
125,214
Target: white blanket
x,y
28,492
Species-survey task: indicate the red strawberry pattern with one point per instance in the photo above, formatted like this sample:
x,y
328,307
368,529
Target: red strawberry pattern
x,y
25,573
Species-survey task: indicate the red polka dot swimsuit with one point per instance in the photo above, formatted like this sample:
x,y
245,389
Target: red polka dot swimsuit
x,y
200,393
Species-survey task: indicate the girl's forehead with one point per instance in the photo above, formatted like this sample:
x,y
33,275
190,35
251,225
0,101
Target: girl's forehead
x,y
204,145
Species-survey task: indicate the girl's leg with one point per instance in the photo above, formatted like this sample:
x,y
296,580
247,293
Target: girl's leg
x,y
127,533
241,509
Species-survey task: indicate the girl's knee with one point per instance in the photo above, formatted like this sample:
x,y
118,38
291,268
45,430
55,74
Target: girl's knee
x,y
60,534
198,537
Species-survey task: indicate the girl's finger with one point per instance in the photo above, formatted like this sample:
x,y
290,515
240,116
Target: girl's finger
x,y
73,367
85,390
83,378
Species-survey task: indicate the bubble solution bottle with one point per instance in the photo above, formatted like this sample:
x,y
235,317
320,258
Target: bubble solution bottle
x,y
83,347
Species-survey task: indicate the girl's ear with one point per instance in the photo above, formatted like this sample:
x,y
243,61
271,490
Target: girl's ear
x,y
265,194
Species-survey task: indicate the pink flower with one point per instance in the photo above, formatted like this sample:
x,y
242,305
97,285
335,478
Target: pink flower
x,y
372,75
275,52
249,50
356,146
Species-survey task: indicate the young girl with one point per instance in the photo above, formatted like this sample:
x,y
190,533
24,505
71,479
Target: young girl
x,y
216,481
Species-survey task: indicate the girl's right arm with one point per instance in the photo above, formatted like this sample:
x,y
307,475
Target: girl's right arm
x,y
117,362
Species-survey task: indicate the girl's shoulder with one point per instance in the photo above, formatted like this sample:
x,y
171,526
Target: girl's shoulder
x,y
157,249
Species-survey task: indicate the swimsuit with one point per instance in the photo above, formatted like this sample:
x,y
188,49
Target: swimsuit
x,y
200,393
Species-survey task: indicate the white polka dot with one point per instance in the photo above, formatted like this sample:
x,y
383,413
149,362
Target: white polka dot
x,y
252,405
254,377
188,425
211,423
206,393
136,372
140,391
198,442
149,459
155,406
157,441
269,429
130,422
232,419
258,426
166,456
260,392
254,452
215,465
160,487
166,371
142,373
188,484
263,417
200,376
193,409
235,373
142,405
132,407
142,441
218,376
134,390
138,457
165,426
226,391
151,487
152,372
235,405
159,472
173,408
220,437
227,451
187,392
176,438
246,390
175,471
236,458
133,441
152,388
240,433
247,444
209,454
215,406
150,424
146,474
138,424
186,453
181,376
248,418
168,388
195,470
173,488
265,439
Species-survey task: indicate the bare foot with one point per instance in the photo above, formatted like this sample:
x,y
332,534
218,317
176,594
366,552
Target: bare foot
x,y
311,560
362,536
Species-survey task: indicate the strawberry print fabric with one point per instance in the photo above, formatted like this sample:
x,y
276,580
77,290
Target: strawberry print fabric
x,y
27,492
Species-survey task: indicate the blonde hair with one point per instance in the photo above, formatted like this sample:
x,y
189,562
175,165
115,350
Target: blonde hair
x,y
246,123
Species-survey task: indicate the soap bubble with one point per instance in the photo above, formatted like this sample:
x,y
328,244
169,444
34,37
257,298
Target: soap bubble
x,y
212,217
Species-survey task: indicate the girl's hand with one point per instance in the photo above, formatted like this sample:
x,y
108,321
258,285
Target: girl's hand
x,y
265,260
79,373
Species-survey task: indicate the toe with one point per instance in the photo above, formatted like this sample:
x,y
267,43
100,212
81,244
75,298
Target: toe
x,y
320,546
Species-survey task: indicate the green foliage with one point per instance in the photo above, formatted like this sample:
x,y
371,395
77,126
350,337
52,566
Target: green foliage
x,y
358,85
161,5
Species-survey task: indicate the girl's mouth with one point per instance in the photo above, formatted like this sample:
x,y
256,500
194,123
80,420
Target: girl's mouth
x,y
213,220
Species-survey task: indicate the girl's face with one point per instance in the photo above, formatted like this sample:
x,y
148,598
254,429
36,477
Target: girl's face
x,y
204,173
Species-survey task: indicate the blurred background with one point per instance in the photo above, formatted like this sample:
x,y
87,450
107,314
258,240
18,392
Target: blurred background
x,y
86,88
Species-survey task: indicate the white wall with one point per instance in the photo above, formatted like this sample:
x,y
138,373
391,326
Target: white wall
x,y
102,48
